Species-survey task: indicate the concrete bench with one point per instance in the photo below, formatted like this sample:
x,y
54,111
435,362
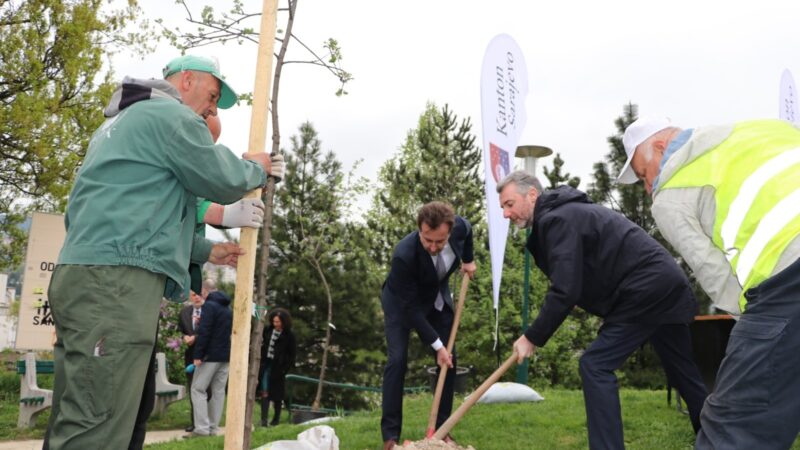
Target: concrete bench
x,y
32,399
166,392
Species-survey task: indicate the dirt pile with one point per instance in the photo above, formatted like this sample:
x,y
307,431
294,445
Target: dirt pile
x,y
431,444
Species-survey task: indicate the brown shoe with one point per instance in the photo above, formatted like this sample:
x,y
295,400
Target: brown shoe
x,y
389,445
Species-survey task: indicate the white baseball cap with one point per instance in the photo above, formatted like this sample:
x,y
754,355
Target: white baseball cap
x,y
636,133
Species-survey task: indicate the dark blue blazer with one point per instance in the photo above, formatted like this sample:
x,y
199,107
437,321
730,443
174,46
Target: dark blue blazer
x,y
410,289
213,342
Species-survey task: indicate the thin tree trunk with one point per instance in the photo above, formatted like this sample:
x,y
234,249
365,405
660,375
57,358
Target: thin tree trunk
x,y
318,399
266,236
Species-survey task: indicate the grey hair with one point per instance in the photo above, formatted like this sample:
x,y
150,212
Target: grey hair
x,y
647,145
523,180
209,285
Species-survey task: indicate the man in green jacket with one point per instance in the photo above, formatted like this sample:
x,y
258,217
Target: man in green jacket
x,y
728,199
130,237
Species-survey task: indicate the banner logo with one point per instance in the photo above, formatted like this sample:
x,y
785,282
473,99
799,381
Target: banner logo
x,y
500,162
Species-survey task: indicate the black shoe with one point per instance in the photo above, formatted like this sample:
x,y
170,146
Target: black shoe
x,y
189,429
264,423
274,423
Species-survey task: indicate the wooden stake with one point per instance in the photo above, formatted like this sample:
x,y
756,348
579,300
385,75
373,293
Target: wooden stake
x,y
243,303
437,396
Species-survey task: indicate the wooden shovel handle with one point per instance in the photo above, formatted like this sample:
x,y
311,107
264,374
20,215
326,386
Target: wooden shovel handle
x,y
474,397
437,395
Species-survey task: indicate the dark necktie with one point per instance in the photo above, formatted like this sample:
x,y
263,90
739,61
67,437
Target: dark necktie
x,y
441,271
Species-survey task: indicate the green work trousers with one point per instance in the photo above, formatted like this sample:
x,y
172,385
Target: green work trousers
x,y
106,319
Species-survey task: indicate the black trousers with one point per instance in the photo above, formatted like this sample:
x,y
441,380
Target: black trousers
x,y
145,406
276,390
614,344
395,371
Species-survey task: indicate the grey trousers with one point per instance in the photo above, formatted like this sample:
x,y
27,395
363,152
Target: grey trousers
x,y
208,412
755,400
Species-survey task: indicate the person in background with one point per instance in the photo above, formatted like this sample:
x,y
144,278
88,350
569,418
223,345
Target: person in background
x,y
278,349
189,325
212,350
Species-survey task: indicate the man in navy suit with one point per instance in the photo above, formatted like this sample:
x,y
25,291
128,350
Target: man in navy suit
x,y
416,295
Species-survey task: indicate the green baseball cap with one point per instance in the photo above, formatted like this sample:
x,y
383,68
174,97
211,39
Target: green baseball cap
x,y
227,96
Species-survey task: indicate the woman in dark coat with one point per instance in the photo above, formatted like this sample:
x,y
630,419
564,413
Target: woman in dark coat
x,y
278,349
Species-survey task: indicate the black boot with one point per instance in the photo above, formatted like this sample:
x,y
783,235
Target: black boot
x,y
264,411
277,419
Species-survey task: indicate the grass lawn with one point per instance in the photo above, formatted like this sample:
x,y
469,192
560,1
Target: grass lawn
x,y
556,423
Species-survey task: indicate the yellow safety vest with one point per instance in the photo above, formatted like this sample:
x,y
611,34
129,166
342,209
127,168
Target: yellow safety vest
x,y
755,173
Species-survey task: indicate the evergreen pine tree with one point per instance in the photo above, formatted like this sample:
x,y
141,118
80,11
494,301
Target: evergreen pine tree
x,y
556,178
629,199
312,215
438,161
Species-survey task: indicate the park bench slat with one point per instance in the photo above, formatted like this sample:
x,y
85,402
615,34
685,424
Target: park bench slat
x,y
44,366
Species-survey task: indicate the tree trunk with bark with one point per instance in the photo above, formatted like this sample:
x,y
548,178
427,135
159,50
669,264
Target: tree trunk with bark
x,y
318,398
266,236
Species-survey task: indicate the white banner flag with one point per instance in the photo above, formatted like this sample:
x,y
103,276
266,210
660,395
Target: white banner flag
x,y
788,107
504,86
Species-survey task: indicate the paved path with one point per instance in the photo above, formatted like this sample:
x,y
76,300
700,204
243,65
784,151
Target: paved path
x,y
151,437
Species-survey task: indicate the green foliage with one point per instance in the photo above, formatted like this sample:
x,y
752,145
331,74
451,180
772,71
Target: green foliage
x,y
12,237
557,178
52,92
170,342
438,161
9,386
629,199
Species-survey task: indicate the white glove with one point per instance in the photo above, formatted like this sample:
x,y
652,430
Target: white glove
x,y
278,167
247,212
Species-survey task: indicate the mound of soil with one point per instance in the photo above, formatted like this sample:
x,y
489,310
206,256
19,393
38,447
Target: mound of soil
x,y
431,444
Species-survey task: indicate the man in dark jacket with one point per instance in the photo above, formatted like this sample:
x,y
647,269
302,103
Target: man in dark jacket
x,y
416,295
212,350
597,259
188,325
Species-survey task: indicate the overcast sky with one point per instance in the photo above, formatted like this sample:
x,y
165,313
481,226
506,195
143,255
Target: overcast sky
x,y
698,62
